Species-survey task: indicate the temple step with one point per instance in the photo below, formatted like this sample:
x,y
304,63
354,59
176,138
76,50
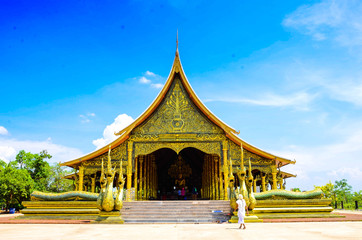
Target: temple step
x,y
175,211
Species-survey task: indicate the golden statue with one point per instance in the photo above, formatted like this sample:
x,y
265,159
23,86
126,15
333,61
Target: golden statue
x,y
106,201
252,200
180,182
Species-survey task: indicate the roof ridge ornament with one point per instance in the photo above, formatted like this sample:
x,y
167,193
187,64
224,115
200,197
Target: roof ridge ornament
x,y
177,42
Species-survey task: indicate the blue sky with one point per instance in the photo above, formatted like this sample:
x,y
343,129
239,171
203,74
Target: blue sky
x,y
287,74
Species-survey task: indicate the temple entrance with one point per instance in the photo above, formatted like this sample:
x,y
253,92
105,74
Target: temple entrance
x,y
179,175
190,175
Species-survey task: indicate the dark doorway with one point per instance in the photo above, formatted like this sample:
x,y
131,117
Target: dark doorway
x,y
189,163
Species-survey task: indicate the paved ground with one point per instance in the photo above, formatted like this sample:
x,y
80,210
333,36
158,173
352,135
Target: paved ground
x,y
295,231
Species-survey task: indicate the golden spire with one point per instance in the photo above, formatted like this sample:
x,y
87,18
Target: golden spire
x,y
177,42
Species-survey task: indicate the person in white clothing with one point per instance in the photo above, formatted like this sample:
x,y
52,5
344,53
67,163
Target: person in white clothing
x,y
241,210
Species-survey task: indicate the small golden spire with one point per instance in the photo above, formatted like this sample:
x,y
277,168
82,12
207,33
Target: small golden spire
x,y
177,42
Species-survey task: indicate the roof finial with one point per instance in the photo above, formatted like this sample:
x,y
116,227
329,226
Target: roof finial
x,y
177,39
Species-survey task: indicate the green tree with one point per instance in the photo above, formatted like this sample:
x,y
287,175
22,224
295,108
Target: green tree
x,y
15,185
343,190
37,166
57,182
357,196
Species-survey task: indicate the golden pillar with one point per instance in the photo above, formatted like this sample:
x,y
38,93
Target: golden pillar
x,y
148,176
254,184
140,194
81,176
129,171
154,175
93,186
221,197
213,180
263,188
216,179
226,169
203,180
208,177
145,178
152,178
135,178
274,186
204,190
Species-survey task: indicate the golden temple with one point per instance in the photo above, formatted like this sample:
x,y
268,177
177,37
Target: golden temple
x,y
178,143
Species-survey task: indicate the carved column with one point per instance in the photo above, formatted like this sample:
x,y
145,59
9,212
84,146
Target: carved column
x,y
81,176
129,171
208,177
254,184
226,169
140,194
136,178
263,188
221,197
212,163
274,175
154,175
148,177
145,171
216,180
148,169
203,180
93,186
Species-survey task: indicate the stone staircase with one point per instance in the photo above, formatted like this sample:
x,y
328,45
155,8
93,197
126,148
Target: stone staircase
x,y
175,211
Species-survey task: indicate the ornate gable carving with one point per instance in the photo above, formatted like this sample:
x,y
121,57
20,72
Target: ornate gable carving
x,y
176,115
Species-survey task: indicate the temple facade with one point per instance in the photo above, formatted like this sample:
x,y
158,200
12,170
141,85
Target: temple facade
x,y
178,145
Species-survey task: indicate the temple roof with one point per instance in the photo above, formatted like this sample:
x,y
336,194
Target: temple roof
x,y
229,131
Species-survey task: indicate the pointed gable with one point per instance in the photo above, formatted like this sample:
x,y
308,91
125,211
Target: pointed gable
x,y
177,109
177,114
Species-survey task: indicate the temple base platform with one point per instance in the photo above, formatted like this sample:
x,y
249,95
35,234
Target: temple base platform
x,y
300,208
113,217
74,210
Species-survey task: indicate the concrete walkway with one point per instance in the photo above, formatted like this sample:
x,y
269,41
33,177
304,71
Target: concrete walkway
x,y
295,231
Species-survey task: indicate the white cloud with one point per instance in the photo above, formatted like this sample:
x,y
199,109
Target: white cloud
x,y
343,84
87,118
339,20
150,78
316,165
120,122
148,73
299,100
144,80
3,131
156,85
7,153
10,147
349,91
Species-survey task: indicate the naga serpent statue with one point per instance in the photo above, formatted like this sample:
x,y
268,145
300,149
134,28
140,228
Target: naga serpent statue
x,y
105,200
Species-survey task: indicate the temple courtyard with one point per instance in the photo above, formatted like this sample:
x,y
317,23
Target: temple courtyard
x,y
267,230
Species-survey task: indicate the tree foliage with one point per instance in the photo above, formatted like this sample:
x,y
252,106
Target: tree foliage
x,y
29,172
15,185
341,191
56,182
